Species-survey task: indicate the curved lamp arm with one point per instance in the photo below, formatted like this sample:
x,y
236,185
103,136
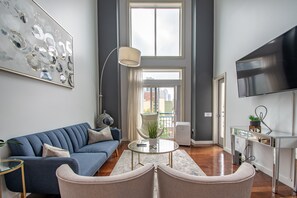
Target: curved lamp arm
x,y
102,71
127,56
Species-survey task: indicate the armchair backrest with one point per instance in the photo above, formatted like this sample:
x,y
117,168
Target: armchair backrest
x,y
147,119
134,184
174,184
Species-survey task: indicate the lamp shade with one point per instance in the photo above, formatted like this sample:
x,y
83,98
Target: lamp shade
x,y
129,57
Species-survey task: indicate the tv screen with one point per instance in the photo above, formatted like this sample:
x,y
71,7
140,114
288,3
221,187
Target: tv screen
x,y
270,68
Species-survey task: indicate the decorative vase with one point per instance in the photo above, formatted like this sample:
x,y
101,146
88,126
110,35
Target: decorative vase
x,y
255,126
153,141
104,120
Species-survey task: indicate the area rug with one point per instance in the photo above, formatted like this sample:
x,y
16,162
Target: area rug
x,y
181,162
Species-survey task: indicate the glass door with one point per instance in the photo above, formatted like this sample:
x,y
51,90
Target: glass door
x,y
162,100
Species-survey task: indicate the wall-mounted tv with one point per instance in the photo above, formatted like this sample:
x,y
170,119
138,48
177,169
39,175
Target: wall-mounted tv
x,y
269,69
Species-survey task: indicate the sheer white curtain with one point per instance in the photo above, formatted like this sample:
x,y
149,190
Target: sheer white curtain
x,y
134,101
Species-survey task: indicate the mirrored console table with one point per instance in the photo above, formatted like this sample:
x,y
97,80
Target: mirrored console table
x,y
275,139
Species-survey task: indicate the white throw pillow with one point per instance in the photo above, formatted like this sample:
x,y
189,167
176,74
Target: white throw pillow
x,y
52,151
103,135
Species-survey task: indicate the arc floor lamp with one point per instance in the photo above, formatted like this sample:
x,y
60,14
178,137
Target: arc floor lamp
x,y
127,56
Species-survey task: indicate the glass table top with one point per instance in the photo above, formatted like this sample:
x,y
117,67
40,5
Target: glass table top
x,y
162,146
7,165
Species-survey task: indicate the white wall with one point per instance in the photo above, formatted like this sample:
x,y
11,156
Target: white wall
x,y
184,62
28,105
240,28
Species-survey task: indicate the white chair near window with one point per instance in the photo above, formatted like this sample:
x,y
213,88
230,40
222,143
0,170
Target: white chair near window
x,y
148,118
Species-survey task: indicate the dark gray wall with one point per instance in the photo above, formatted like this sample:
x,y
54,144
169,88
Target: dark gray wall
x,y
107,41
202,68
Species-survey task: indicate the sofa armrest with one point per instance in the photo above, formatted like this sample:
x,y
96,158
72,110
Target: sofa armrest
x,y
116,133
39,173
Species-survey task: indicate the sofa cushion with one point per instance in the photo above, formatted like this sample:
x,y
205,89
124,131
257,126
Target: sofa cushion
x,y
78,134
108,147
103,135
89,163
52,151
31,145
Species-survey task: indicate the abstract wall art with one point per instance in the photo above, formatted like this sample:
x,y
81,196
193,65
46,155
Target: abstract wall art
x,y
33,44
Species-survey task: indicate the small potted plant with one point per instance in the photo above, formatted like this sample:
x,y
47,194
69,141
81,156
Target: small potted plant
x,y
152,128
255,123
2,142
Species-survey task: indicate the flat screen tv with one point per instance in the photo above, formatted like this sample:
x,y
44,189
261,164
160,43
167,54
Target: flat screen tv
x,y
269,69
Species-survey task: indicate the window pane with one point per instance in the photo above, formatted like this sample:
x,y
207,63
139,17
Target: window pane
x,y
168,32
142,29
159,75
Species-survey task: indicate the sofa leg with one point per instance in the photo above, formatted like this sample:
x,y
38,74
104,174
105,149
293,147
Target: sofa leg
x,y
117,152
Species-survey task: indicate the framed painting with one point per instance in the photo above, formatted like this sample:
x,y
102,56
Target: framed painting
x,y
33,44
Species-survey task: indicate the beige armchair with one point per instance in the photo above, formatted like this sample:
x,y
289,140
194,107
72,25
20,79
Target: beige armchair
x,y
175,184
134,184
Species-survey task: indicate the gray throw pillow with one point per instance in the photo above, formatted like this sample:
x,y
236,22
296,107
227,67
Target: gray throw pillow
x,y
103,135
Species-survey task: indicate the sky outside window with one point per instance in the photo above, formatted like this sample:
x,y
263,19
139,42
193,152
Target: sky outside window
x,y
156,31
143,30
167,32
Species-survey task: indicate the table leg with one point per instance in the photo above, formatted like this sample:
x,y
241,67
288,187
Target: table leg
x,y
131,160
170,159
275,175
247,150
23,195
233,147
295,169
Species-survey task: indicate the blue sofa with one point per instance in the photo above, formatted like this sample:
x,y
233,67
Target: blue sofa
x,y
40,172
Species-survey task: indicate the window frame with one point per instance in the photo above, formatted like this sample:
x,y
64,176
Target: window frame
x,y
177,84
160,4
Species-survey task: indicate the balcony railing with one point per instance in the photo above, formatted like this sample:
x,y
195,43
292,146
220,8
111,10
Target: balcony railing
x,y
167,121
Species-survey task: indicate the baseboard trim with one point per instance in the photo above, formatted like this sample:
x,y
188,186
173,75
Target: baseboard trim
x,y
228,150
197,143
287,181
125,140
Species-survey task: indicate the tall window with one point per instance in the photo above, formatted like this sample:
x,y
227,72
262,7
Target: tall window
x,y
155,28
162,93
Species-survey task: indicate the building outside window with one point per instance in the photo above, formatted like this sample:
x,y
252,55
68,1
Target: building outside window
x,y
162,93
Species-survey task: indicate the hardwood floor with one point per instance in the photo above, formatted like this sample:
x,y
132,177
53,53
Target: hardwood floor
x,y
213,161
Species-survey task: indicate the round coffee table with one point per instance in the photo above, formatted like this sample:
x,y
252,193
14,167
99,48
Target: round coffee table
x,y
143,146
